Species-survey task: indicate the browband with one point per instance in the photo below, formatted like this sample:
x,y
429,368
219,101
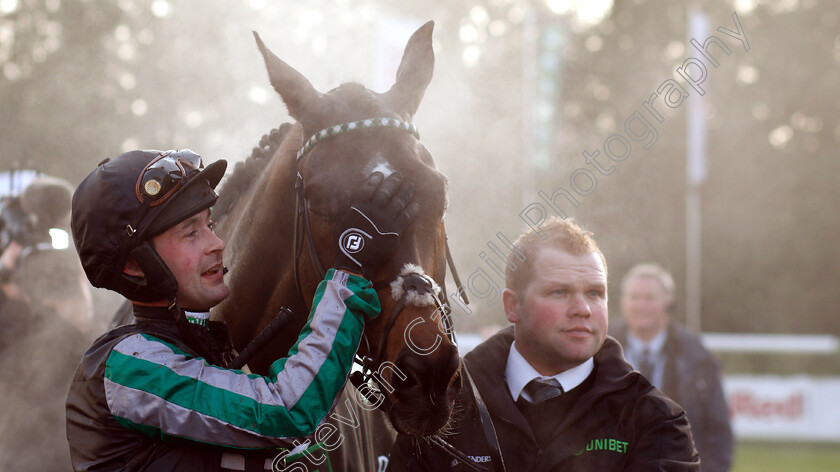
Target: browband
x,y
354,125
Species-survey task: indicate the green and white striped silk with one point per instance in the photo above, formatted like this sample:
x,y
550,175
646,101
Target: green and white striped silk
x,y
156,388
200,318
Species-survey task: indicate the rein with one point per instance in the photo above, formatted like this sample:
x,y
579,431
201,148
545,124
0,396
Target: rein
x,y
419,284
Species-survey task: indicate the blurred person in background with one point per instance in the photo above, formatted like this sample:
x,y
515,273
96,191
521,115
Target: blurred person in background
x,y
45,314
674,360
40,276
558,390
48,271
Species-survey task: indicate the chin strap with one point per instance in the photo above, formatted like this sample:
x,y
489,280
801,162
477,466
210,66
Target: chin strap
x,y
157,282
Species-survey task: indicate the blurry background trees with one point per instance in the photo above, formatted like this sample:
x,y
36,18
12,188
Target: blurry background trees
x,y
87,79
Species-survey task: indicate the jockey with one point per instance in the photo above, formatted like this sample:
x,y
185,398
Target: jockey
x,y
155,395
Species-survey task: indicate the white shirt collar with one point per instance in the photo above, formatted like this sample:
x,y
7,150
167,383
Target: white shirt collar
x,y
518,372
655,345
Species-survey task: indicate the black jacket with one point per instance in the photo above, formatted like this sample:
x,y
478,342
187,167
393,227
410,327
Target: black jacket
x,y
145,384
618,422
363,444
692,379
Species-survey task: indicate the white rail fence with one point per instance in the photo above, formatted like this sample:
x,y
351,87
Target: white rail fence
x,y
783,408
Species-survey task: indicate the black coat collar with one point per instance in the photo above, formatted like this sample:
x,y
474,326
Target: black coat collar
x,y
487,364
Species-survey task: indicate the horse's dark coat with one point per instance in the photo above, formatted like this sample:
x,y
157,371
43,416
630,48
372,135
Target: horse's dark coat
x,y
258,219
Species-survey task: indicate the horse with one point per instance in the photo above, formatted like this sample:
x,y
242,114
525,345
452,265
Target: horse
x,y
278,231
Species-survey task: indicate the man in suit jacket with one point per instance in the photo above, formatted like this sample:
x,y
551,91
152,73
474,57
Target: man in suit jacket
x,y
675,361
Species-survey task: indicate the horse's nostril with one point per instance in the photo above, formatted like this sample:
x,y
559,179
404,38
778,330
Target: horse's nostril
x,y
409,364
409,382
437,381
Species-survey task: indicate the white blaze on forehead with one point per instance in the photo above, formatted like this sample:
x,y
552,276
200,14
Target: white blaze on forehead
x,y
379,164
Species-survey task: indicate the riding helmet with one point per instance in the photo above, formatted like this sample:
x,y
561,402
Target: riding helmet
x,y
128,200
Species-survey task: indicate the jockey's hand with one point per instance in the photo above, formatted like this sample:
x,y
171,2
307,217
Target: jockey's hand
x,y
366,235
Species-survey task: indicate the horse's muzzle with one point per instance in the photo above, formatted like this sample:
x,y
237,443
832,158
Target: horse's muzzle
x,y
423,397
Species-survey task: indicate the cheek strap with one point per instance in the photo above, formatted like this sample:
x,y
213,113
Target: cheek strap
x,y
158,283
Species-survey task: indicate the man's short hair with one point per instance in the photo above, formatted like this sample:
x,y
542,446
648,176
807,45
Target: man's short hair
x,y
558,233
653,271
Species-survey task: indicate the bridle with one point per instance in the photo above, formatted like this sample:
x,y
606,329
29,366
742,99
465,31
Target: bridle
x,y
303,226
412,282
421,284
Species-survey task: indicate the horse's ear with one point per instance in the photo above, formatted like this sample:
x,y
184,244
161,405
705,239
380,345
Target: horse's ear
x,y
297,92
415,71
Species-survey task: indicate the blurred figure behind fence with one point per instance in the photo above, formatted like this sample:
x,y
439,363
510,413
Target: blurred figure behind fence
x,y
674,360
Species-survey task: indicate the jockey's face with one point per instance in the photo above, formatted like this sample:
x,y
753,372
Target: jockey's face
x,y
193,253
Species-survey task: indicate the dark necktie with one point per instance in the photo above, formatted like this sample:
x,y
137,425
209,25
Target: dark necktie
x,y
541,390
646,364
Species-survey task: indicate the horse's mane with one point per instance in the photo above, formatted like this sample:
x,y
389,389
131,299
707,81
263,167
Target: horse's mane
x,y
245,173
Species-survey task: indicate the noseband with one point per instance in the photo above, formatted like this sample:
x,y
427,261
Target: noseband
x,y
412,283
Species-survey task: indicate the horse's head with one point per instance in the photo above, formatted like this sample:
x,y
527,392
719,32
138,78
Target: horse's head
x,y
412,357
